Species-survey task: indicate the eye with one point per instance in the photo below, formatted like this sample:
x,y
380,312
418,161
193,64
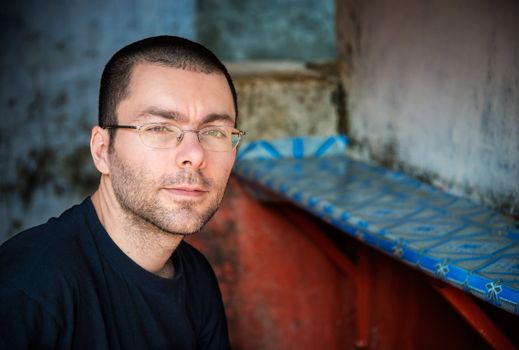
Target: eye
x,y
159,129
218,133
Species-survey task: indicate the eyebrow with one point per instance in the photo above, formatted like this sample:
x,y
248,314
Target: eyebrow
x,y
213,117
163,113
179,117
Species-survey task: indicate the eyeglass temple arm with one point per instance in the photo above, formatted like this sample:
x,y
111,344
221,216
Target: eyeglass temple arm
x,y
120,127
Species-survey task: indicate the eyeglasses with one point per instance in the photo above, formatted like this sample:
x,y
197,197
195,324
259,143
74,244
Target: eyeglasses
x,y
165,135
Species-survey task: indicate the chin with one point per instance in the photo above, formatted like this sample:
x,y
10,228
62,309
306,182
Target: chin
x,y
186,222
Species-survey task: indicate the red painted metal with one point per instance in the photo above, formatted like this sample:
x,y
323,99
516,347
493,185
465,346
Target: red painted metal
x,y
473,314
287,285
360,275
363,297
280,291
315,234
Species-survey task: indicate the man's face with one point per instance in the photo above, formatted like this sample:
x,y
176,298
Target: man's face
x,y
177,189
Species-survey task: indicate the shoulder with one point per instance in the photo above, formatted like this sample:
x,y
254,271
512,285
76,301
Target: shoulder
x,y
42,253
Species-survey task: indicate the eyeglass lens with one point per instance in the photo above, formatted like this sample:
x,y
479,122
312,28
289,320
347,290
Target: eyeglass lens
x,y
214,138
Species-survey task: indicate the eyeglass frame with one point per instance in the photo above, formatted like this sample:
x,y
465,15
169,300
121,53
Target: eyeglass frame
x,y
234,131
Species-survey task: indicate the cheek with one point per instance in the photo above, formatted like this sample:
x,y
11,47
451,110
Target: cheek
x,y
145,165
129,149
220,168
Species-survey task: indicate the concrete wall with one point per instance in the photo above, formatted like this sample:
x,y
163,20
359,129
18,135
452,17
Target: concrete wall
x,y
270,29
281,99
52,56
433,89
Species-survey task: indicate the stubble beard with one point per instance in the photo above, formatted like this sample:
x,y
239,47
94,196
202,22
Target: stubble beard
x,y
135,192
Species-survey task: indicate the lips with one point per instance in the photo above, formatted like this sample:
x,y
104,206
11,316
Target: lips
x,y
187,191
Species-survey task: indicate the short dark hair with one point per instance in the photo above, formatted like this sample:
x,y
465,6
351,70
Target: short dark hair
x,y
172,51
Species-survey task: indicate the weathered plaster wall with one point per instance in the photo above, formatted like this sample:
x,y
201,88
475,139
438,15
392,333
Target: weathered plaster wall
x,y
269,29
280,99
433,89
52,56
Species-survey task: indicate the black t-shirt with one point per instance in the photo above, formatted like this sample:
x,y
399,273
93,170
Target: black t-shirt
x,y
65,284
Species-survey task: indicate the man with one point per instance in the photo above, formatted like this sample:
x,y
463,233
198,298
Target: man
x,y
113,272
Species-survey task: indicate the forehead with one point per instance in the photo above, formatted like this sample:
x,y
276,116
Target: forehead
x,y
177,89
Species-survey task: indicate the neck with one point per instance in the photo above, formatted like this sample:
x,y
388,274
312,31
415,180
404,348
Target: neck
x,y
144,243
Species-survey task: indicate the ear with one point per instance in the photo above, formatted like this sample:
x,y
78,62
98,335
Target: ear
x,y
99,142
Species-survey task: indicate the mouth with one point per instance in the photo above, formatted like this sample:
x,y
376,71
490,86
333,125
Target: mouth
x,y
187,191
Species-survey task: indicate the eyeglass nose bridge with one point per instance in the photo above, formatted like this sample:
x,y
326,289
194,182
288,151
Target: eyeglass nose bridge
x,y
180,137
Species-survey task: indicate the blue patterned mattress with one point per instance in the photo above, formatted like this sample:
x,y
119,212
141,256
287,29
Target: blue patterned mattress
x,y
465,244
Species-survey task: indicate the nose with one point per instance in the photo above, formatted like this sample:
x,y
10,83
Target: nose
x,y
189,151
